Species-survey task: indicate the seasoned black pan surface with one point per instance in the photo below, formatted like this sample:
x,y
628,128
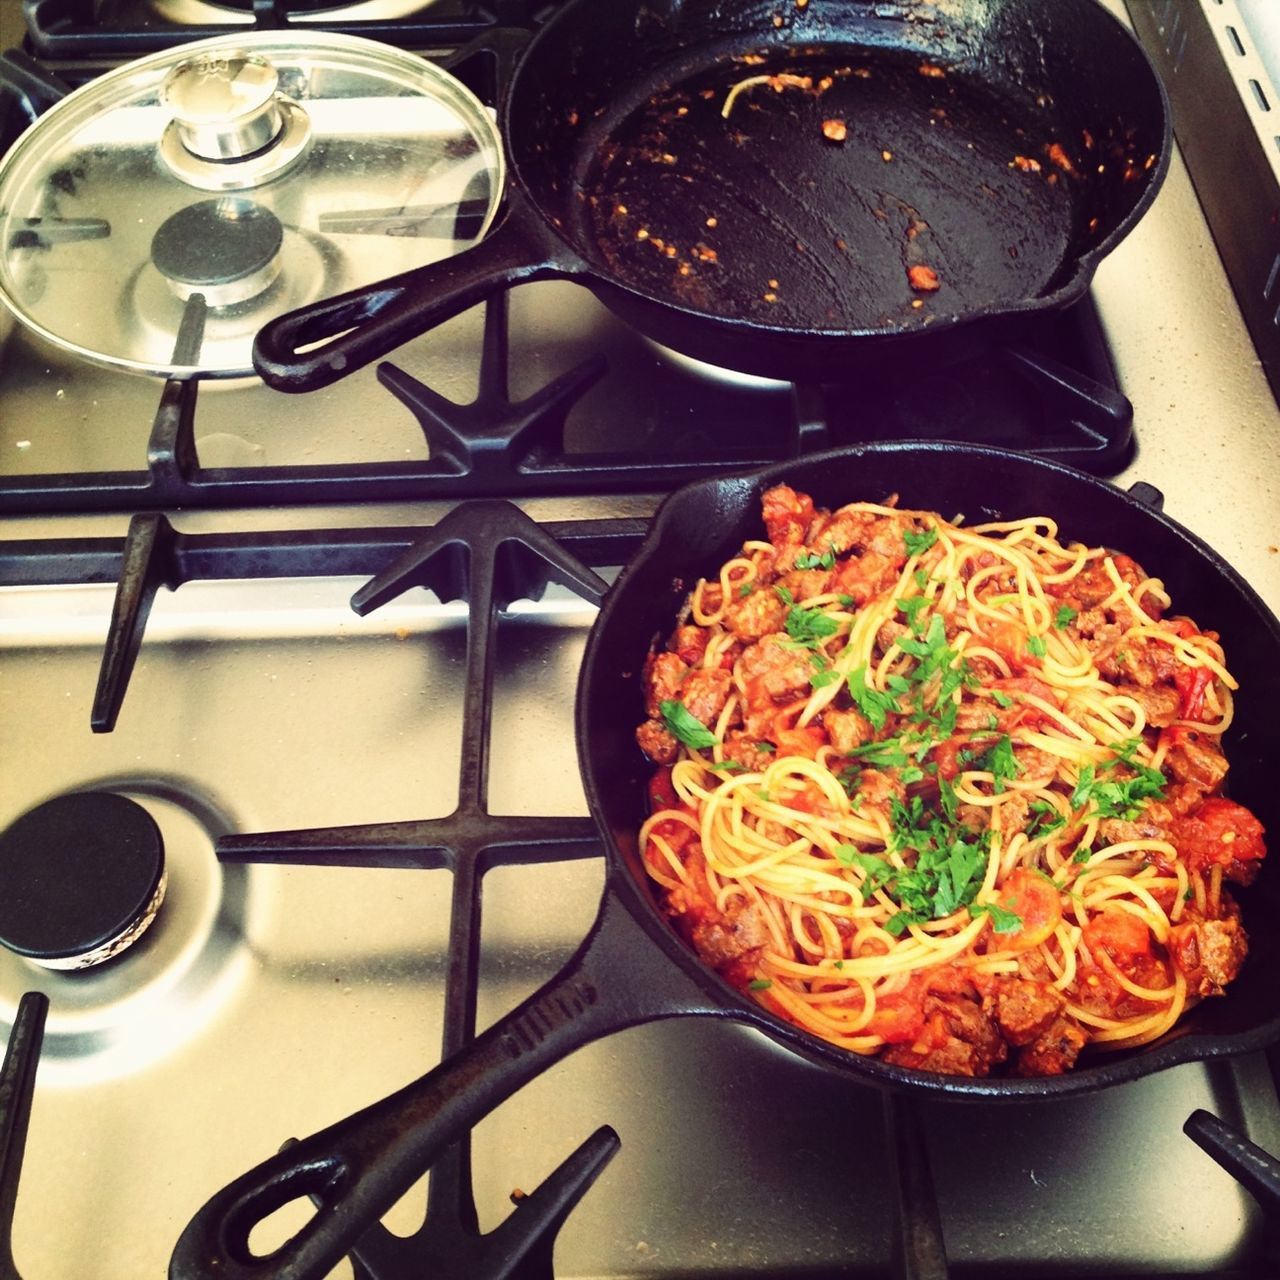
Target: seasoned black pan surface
x,y
812,190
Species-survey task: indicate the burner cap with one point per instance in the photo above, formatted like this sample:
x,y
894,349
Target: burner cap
x,y
227,249
83,877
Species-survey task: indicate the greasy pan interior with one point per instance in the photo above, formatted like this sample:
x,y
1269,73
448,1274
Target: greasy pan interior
x,y
616,129
703,525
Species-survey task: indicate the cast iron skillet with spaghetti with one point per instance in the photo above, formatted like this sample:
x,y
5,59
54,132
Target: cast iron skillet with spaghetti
x,y
634,967
947,792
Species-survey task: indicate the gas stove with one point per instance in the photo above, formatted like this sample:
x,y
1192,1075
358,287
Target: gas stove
x,y
375,834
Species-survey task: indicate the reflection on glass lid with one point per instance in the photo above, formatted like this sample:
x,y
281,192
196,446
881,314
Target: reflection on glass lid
x,y
243,176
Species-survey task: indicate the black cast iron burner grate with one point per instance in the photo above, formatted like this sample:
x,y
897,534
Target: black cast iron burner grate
x,y
488,554
73,29
1015,397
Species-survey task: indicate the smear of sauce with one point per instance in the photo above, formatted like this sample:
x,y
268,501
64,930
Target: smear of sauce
x,y
828,188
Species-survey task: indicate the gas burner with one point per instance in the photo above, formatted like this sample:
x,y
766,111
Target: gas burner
x,y
228,250
247,268
90,870
84,877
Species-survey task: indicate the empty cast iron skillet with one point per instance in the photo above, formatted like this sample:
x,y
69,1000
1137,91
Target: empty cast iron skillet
x,y
633,968
1003,147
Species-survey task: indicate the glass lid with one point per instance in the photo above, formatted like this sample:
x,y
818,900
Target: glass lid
x,y
157,218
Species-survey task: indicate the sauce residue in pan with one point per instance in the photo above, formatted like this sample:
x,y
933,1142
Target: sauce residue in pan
x,y
822,190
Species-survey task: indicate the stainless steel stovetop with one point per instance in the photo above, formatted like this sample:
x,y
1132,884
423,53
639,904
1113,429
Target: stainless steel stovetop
x,y
268,1001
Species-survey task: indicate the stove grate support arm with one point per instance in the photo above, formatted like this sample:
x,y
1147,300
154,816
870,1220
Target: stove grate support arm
x,y
490,555
17,1084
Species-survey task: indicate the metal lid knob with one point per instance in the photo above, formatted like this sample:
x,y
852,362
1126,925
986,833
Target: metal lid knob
x,y
231,128
225,106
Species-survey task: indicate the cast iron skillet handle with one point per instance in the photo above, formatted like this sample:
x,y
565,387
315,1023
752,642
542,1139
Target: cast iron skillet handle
x,y
1248,1163
364,324
358,1168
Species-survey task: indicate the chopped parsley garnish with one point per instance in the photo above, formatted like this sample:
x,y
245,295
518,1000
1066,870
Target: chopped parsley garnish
x,y
947,870
1118,797
849,778
1083,787
931,707
929,646
888,753
1125,799
807,560
765,746
760,984
823,677
877,870
1002,699
937,659
921,578
1000,761
1065,616
728,766
1002,919
846,601
1082,854
686,726
947,798
745,590
946,861
1046,819
809,626
911,606
873,704
944,717
1036,645
918,542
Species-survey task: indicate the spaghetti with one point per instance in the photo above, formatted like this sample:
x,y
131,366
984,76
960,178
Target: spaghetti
x,y
950,795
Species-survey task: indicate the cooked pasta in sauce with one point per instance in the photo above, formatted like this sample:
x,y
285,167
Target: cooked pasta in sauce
x,y
947,794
